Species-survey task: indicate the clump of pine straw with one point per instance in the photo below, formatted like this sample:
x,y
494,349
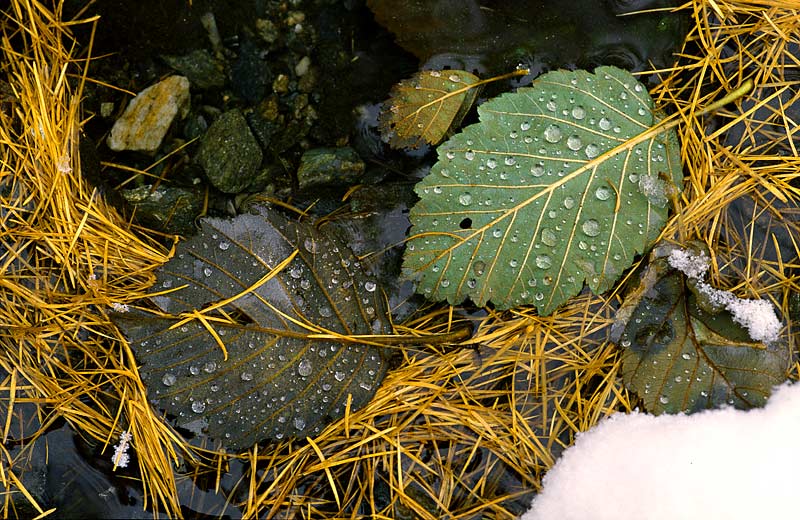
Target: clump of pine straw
x,y
460,433
66,256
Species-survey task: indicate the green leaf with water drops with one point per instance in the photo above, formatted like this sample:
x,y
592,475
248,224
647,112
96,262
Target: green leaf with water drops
x,y
679,358
559,183
277,381
424,107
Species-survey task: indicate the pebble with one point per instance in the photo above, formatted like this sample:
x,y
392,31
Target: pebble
x,y
149,115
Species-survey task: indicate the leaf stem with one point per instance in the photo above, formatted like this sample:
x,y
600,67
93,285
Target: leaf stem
x,y
733,95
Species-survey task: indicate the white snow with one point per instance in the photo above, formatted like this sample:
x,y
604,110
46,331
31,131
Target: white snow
x,y
757,316
693,266
717,464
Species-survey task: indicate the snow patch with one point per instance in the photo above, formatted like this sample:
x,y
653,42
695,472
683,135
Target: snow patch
x,y
722,463
757,316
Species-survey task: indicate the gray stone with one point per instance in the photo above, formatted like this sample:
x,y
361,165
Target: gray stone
x,y
329,166
149,115
229,154
203,70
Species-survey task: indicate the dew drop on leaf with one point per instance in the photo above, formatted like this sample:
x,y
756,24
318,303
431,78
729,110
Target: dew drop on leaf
x,y
578,112
543,261
604,123
552,134
591,227
304,368
168,379
548,238
603,193
574,142
465,199
591,150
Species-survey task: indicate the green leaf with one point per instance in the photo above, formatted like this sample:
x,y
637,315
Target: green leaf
x,y
423,108
679,358
554,186
277,381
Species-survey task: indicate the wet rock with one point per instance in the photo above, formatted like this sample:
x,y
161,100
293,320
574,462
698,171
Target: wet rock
x,y
229,154
250,72
170,209
329,166
200,67
149,115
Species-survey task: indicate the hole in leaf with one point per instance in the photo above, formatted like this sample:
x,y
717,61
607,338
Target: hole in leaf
x,y
466,223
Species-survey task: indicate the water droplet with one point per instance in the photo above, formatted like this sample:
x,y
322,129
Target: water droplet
x,y
638,87
491,163
325,311
478,267
469,155
209,367
686,356
510,161
604,123
552,134
591,227
547,237
454,78
539,296
591,150
578,112
339,376
450,154
305,284
602,193
537,170
194,369
543,261
299,422
547,280
465,199
224,245
582,245
569,202
246,376
513,263
295,272
370,286
304,368
678,379
623,95
198,406
471,283
168,379
641,111
574,142
497,233
551,106
663,399
445,283
525,125
310,245
207,271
